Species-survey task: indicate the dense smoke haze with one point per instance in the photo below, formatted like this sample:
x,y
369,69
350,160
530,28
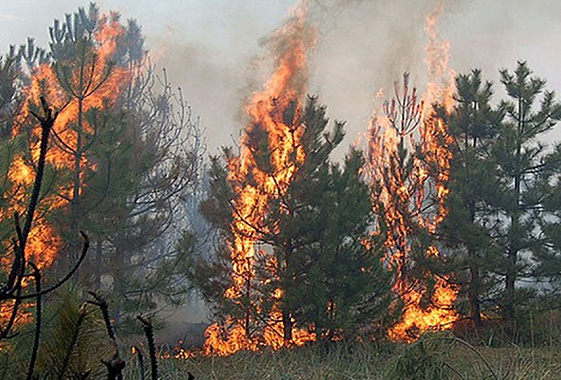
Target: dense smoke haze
x,y
212,48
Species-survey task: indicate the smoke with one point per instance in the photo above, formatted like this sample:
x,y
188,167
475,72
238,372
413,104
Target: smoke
x,y
219,62
210,47
362,46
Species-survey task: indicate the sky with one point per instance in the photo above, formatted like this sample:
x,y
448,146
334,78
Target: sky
x,y
208,46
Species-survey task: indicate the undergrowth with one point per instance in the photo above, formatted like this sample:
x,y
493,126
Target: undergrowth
x,y
434,357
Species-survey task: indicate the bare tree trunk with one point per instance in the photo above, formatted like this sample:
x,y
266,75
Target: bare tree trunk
x,y
475,278
473,295
287,326
514,232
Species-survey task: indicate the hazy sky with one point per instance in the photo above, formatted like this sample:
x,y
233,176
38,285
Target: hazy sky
x,y
207,45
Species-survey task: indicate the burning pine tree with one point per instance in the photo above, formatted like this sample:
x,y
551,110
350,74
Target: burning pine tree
x,y
409,155
293,268
271,154
122,153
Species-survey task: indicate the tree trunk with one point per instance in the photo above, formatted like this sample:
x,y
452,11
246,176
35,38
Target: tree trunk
x,y
474,288
74,242
247,321
118,267
98,264
473,293
509,307
514,233
287,327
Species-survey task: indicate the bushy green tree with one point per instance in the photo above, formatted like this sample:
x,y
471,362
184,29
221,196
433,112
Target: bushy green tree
x,y
340,286
531,112
502,201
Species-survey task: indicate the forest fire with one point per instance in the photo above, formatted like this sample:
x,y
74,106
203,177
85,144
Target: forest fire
x,y
411,192
274,113
429,249
255,189
93,89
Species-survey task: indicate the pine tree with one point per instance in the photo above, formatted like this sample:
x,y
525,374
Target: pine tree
x,y
408,166
339,285
312,266
474,125
125,149
519,156
548,249
10,104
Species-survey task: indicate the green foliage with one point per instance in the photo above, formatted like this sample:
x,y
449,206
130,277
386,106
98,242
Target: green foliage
x,y
519,155
474,126
501,202
423,360
10,91
341,285
73,342
548,253
132,152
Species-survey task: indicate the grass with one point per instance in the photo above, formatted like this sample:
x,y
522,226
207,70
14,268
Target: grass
x,y
432,358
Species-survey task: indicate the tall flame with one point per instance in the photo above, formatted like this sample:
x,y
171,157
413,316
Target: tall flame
x,y
269,116
412,200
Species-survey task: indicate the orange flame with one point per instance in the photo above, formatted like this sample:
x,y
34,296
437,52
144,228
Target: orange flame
x,y
43,240
266,110
406,198
101,89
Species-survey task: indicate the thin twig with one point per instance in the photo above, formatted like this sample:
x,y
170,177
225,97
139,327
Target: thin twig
x,y
102,304
455,371
455,338
47,121
85,248
116,365
38,313
140,362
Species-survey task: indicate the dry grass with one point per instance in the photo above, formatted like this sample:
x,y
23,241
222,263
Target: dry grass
x,y
434,358
512,363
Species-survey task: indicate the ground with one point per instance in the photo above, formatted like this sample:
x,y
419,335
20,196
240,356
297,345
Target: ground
x,y
442,357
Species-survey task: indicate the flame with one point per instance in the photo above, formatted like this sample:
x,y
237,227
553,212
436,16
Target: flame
x,y
43,240
441,86
104,87
266,110
415,201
